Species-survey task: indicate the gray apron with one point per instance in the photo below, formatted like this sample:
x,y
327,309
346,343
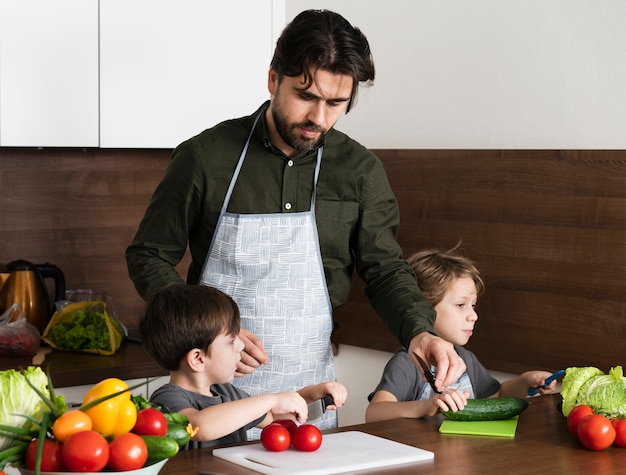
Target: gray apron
x,y
271,265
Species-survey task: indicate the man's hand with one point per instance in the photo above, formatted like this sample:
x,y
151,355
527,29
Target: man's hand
x,y
440,353
253,354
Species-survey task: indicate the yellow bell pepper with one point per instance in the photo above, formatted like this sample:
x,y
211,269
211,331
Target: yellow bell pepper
x,y
116,415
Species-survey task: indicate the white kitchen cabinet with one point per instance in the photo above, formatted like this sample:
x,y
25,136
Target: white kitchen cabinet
x,y
49,73
170,69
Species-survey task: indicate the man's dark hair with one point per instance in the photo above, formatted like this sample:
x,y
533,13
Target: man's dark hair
x,y
321,39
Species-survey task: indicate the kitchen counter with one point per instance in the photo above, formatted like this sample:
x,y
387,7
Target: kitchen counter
x,y
542,444
69,368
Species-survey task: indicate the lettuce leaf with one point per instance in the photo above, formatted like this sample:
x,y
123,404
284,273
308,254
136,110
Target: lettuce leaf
x,y
20,401
606,393
573,380
85,329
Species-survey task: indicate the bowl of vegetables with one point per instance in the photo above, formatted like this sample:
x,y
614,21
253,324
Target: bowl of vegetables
x,y
147,470
111,432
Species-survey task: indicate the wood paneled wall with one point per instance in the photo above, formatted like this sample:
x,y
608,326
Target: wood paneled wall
x,y
78,209
547,229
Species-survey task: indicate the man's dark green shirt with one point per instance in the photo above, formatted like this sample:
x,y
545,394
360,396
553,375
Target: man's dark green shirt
x,y
355,209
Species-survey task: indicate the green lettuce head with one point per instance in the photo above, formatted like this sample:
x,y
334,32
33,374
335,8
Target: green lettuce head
x,y
605,394
19,401
573,380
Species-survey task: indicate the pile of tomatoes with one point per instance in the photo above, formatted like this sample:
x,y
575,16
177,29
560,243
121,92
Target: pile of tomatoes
x,y
595,431
76,447
280,434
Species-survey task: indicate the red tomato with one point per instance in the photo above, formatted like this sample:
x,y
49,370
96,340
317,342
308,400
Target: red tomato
x,y
275,438
51,458
86,451
69,423
620,432
287,423
307,438
574,417
127,452
150,421
596,432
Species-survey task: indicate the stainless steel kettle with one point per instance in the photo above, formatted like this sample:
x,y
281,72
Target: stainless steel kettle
x,y
23,283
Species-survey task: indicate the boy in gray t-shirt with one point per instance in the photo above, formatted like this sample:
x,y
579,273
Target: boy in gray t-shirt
x,y
452,284
193,331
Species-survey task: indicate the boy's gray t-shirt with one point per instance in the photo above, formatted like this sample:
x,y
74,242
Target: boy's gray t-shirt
x,y
173,398
402,378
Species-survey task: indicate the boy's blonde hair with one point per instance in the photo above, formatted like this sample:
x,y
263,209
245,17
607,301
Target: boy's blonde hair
x,y
435,270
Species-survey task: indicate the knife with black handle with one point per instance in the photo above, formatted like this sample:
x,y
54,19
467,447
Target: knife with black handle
x,y
318,408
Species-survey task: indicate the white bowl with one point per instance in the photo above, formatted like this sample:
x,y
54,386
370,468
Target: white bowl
x,y
148,470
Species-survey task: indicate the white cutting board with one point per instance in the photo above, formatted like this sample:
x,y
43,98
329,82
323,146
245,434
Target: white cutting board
x,y
340,452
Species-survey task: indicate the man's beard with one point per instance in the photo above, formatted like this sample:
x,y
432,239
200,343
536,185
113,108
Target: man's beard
x,y
291,136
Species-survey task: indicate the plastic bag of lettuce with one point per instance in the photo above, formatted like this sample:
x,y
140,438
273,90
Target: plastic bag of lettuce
x,y
604,393
84,326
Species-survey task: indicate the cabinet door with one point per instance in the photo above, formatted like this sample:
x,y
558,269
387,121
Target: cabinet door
x,y
49,73
172,68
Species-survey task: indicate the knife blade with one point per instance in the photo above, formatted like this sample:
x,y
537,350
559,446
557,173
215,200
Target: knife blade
x,y
549,379
428,374
318,408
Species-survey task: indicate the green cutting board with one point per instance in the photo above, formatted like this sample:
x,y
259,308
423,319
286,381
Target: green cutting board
x,y
504,428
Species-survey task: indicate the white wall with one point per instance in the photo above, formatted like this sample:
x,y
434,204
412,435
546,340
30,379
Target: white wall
x,y
359,370
533,74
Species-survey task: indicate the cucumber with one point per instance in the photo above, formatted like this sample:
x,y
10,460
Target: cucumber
x,y
491,409
179,433
160,447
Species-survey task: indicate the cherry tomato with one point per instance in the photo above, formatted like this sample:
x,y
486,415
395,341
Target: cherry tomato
x,y
150,421
127,452
86,451
307,438
69,423
596,432
287,423
574,417
51,458
620,432
275,438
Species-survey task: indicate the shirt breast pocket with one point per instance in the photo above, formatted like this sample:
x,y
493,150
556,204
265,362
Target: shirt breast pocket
x,y
335,222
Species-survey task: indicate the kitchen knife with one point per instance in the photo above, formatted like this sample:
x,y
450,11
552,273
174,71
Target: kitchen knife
x,y
555,375
428,374
318,408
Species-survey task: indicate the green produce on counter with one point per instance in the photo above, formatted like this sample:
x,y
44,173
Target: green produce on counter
x,y
85,329
22,409
489,409
604,393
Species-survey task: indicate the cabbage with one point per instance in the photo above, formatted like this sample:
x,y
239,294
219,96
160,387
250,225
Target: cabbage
x,y
573,380
19,400
605,394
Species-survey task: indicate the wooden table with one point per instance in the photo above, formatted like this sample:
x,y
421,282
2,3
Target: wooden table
x,y
542,444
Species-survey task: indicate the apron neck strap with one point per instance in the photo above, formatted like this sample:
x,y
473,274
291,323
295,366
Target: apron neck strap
x,y
233,180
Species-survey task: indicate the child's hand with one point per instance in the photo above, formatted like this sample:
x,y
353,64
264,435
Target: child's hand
x,y
338,391
451,400
291,403
536,379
